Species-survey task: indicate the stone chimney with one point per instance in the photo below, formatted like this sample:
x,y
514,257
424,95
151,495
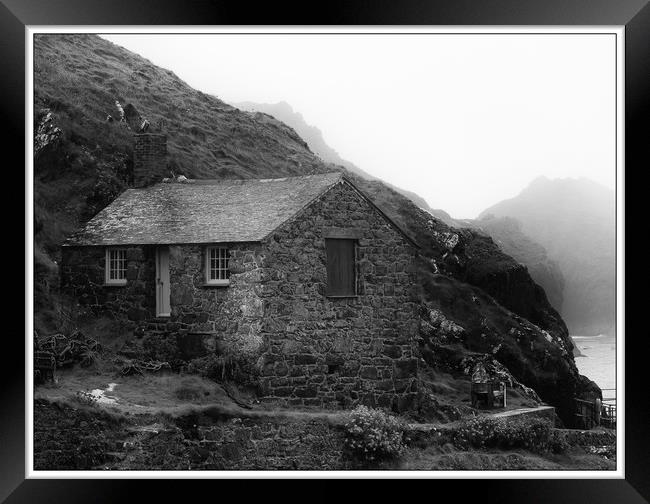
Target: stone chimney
x,y
149,159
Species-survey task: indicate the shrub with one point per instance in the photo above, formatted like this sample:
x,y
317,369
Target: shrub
x,y
558,442
478,431
530,433
372,434
219,368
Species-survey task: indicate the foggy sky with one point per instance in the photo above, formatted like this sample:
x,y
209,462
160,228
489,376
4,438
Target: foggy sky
x,y
462,120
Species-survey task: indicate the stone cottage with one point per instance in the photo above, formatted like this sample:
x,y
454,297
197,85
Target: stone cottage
x,y
303,277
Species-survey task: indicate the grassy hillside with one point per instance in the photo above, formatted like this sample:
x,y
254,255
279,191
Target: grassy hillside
x,y
83,161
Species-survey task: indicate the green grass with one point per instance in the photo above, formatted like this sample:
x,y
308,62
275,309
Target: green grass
x,y
149,394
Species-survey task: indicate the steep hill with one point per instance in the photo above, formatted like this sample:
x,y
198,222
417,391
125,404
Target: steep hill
x,y
83,160
574,220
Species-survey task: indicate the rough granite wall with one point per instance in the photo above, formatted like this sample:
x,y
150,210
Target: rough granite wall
x,y
303,347
233,314
83,274
269,444
333,352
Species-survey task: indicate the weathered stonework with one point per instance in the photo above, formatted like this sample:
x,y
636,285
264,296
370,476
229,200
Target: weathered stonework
x,y
83,276
305,348
66,438
269,444
233,314
339,351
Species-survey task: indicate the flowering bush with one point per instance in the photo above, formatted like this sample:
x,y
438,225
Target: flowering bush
x,y
530,433
558,442
372,434
478,432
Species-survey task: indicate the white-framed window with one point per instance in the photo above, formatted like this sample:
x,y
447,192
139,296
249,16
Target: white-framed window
x,y
115,266
216,266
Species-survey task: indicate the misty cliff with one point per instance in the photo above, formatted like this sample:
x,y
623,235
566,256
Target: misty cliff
x,y
83,160
507,233
574,220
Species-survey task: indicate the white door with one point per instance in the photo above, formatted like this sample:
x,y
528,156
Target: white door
x,y
163,307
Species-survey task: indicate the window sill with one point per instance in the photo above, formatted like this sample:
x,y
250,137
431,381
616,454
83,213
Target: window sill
x,y
115,284
218,283
340,296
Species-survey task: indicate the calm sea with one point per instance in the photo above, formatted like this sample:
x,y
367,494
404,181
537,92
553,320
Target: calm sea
x,y
599,361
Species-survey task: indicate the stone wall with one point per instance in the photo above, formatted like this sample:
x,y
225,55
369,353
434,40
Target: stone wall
x,y
83,277
69,438
66,438
232,313
336,352
269,444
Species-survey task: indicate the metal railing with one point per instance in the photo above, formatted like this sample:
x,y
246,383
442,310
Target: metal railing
x,y
608,415
588,416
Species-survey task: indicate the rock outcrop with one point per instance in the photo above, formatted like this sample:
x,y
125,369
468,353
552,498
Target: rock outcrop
x,y
47,134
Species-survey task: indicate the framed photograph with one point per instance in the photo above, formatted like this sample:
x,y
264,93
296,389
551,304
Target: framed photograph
x,y
384,243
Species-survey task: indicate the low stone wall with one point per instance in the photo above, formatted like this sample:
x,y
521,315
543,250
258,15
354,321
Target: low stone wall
x,y
269,444
66,438
589,437
69,438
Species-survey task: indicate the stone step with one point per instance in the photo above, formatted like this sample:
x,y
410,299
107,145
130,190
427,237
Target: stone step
x,y
547,412
155,330
158,320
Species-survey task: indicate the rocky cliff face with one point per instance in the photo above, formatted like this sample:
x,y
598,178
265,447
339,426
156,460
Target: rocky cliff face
x,y
463,273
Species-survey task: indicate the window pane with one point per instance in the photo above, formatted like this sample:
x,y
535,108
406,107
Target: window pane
x,y
116,264
217,263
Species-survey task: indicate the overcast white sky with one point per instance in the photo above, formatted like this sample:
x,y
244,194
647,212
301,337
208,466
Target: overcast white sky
x,y
463,120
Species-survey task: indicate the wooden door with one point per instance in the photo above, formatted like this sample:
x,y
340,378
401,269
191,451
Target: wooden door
x,y
163,291
340,267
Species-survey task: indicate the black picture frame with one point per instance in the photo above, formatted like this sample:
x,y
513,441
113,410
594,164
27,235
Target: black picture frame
x,y
15,15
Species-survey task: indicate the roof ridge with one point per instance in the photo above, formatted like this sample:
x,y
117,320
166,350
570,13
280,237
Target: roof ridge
x,y
213,181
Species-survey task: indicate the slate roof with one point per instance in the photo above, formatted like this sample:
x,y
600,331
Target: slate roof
x,y
204,211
